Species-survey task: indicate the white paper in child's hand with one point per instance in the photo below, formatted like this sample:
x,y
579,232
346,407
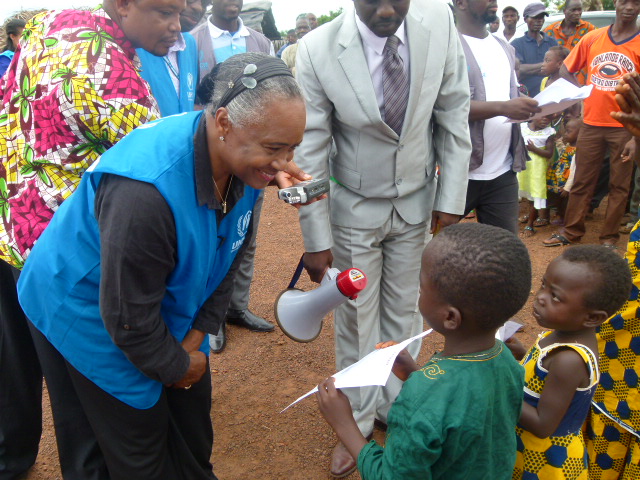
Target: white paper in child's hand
x,y
507,331
374,369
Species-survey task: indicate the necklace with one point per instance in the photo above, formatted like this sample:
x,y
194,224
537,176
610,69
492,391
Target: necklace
x,y
223,200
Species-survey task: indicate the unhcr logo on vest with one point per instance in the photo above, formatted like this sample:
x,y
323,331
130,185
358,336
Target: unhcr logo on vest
x,y
243,226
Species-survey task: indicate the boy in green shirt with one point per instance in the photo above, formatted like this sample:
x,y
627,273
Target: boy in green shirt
x,y
455,416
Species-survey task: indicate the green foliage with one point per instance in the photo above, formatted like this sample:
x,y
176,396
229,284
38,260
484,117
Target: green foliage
x,y
327,18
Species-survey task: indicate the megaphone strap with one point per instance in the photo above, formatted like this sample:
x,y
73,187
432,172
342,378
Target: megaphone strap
x,y
296,274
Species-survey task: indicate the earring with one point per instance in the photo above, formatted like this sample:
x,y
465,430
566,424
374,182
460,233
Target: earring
x,y
221,138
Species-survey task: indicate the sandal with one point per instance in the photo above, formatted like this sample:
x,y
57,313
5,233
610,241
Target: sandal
x,y
528,232
523,219
541,222
556,240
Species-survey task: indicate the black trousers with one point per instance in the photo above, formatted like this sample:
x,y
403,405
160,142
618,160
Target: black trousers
x,y
495,201
23,359
20,383
171,440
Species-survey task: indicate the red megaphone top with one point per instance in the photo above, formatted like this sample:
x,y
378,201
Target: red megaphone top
x,y
351,282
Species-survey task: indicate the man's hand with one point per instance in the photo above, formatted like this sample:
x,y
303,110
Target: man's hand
x,y
521,108
629,151
628,98
197,367
404,364
441,220
317,263
564,193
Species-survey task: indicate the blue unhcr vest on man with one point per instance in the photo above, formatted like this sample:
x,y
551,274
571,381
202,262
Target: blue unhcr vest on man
x,y
154,70
59,286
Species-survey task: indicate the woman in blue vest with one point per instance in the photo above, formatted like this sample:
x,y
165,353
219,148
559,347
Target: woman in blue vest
x,y
135,267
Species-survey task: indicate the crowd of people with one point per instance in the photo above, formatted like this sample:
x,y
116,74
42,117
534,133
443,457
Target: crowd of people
x,y
405,106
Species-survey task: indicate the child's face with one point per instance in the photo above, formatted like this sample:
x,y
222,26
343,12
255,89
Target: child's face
x,y
431,303
551,64
571,130
541,123
559,303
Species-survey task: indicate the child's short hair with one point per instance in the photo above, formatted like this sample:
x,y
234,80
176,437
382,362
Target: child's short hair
x,y
614,285
562,52
483,271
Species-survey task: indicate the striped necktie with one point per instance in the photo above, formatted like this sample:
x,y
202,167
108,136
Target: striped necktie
x,y
395,85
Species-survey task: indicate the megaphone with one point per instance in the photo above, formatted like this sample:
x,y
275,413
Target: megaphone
x,y
299,314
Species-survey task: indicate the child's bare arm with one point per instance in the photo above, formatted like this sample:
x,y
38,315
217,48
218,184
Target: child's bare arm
x,y
336,410
567,372
516,347
547,151
404,364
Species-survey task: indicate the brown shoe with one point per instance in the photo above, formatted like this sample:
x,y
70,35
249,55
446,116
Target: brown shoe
x,y
342,463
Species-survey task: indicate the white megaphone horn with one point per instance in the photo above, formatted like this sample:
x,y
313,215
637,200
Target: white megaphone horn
x,y
299,314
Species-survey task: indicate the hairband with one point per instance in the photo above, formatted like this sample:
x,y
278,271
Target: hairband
x,y
253,74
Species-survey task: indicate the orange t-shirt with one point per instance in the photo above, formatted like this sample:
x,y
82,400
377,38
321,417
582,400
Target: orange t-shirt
x,y
606,62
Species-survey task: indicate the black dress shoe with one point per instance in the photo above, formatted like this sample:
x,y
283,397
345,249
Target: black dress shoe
x,y
219,341
249,320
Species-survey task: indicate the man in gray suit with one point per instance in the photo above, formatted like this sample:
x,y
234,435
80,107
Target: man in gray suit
x,y
394,123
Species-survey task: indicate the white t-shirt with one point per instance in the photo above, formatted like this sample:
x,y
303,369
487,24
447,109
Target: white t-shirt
x,y
496,73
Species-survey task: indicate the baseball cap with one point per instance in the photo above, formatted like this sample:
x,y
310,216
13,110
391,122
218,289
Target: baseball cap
x,y
510,8
534,9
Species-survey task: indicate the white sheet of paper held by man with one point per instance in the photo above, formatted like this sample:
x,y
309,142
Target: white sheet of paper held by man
x,y
374,369
558,96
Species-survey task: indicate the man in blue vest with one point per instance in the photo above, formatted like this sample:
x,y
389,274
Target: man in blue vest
x,y
222,36
173,78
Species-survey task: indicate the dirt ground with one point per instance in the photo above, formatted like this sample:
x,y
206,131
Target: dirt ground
x,y
261,373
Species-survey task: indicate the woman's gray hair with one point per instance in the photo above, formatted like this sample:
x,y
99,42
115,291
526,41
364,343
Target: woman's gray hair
x,y
248,107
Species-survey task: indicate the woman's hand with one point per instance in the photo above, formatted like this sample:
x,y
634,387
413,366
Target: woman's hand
x,y
292,175
197,367
404,364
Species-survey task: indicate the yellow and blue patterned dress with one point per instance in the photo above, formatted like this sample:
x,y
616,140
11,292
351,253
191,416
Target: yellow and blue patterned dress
x,y
563,455
613,428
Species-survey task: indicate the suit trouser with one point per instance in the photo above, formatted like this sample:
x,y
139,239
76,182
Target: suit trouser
x,y
385,310
495,201
244,275
171,440
590,151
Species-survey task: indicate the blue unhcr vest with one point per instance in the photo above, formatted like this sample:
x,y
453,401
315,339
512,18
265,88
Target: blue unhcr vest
x,y
59,285
154,70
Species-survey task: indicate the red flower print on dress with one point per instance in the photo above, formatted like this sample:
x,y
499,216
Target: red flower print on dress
x,y
29,216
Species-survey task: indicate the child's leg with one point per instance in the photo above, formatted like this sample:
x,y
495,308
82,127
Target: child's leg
x,y
533,215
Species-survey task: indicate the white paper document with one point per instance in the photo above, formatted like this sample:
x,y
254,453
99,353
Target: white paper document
x,y
374,369
558,96
506,331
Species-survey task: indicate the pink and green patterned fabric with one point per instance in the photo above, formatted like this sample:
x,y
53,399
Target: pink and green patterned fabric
x,y
72,91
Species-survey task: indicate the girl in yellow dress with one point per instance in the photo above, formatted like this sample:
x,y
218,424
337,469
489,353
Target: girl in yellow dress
x,y
579,291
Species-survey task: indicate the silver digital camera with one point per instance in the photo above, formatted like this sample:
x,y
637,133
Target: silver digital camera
x,y
304,192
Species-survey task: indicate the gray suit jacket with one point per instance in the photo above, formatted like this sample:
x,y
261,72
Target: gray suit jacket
x,y
375,170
